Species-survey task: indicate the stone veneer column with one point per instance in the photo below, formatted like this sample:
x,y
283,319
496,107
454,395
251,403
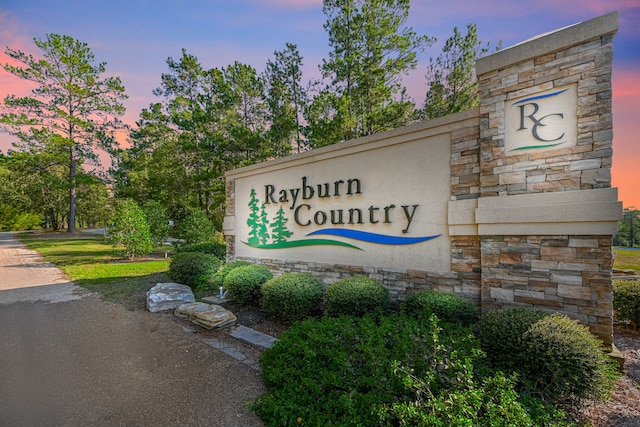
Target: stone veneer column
x,y
228,225
546,217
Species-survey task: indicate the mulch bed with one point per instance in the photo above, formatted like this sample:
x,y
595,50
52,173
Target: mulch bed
x,y
623,409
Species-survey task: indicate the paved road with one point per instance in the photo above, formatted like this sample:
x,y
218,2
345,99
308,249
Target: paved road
x,y
69,359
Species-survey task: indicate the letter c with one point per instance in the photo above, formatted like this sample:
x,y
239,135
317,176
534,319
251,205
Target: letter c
x,y
295,215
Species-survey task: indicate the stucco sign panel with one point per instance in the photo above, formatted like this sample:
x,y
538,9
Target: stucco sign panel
x,y
383,207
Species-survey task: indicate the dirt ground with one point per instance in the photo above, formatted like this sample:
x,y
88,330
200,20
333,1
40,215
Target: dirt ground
x,y
623,409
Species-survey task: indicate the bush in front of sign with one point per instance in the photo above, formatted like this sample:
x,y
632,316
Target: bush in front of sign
x,y
244,284
224,270
189,268
383,371
555,357
218,248
292,296
565,363
500,334
356,296
448,306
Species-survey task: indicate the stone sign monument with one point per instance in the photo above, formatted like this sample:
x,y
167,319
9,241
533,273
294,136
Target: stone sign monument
x,y
508,204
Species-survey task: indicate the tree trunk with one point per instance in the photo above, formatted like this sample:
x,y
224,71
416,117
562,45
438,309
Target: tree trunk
x,y
72,192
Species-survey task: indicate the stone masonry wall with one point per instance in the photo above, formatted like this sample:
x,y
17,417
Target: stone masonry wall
x,y
570,274
230,210
399,282
584,166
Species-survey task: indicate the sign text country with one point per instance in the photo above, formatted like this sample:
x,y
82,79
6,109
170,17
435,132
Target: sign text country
x,y
304,215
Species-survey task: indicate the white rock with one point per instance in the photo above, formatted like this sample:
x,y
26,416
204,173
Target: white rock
x,y
168,296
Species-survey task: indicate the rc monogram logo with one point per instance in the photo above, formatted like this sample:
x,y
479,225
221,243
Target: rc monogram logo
x,y
541,121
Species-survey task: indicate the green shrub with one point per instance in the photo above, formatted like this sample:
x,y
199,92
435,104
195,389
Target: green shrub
x,y
356,296
500,334
196,228
384,370
244,284
626,301
221,274
191,268
491,402
28,221
564,362
213,281
130,229
158,220
292,296
218,248
447,306
338,371
556,358
205,282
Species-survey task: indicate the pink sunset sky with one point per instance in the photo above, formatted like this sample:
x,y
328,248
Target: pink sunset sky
x,y
136,37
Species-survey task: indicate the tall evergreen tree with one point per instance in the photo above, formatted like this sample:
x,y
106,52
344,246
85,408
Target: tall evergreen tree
x,y
371,49
185,91
246,119
73,110
451,77
285,99
628,228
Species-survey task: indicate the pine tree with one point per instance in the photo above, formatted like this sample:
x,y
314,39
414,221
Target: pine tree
x,y
73,109
371,49
253,221
453,86
263,232
279,231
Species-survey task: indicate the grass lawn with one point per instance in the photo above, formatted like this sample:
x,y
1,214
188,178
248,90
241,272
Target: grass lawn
x,y
93,264
627,259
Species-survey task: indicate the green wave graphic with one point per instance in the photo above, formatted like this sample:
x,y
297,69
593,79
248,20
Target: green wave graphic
x,y
299,243
538,146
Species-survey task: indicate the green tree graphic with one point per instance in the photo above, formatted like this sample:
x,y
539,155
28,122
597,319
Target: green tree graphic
x,y
263,233
279,231
254,220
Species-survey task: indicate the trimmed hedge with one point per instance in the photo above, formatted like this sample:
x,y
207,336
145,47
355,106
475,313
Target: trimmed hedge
x,y
626,301
218,279
356,296
191,268
564,362
555,357
447,306
244,284
292,296
500,334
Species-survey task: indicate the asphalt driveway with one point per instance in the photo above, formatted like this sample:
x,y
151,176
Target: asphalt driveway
x,y
69,359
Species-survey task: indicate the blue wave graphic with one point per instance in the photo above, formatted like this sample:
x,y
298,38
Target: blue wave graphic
x,y
364,236
540,96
